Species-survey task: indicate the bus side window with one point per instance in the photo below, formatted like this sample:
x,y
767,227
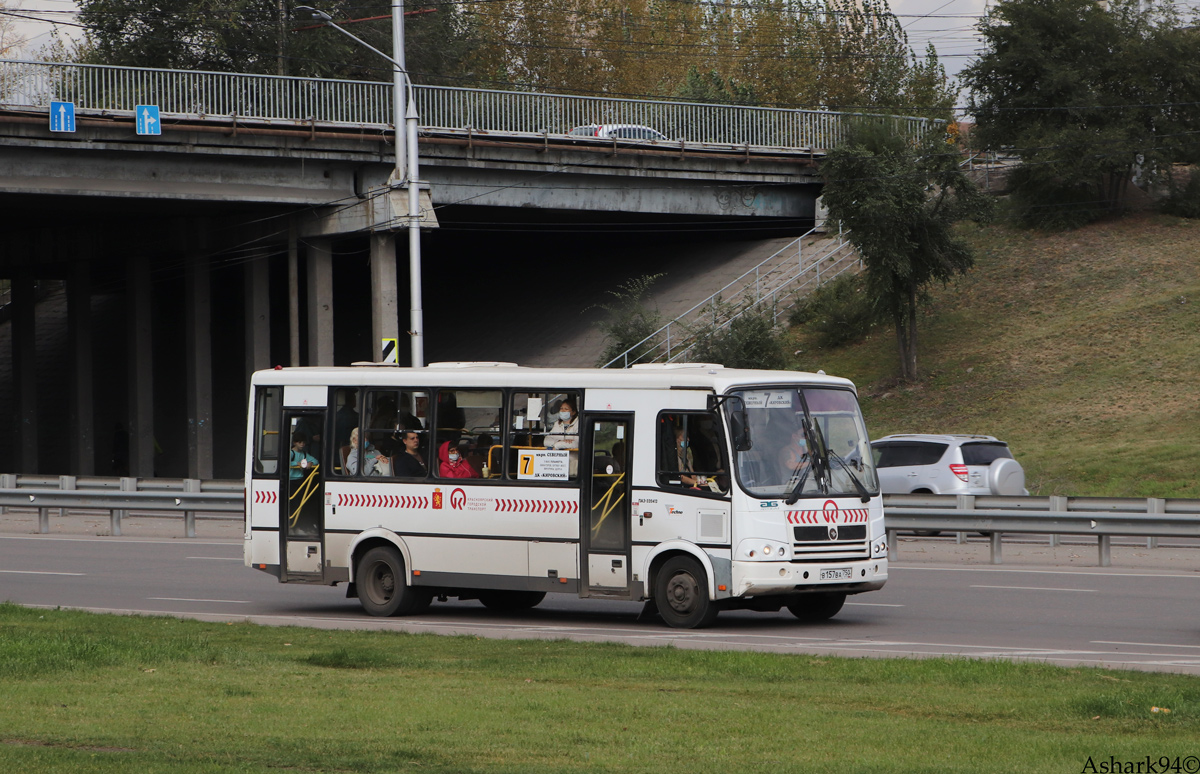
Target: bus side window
x,y
536,423
267,416
691,452
345,420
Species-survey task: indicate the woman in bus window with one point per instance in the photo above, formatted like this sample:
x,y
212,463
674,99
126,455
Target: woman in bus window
x,y
453,464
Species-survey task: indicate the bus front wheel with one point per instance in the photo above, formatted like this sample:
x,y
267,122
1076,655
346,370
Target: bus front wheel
x,y
681,594
381,585
817,607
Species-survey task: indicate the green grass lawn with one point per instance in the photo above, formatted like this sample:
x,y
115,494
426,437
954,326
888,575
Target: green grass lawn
x,y
91,693
1080,349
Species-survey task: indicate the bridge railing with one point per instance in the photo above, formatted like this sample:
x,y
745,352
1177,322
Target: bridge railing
x,y
1099,517
367,104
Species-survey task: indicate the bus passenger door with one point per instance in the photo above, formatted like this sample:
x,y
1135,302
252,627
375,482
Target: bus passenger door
x,y
302,499
604,510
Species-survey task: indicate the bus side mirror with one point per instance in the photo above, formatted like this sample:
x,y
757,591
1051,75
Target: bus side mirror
x,y
739,423
739,427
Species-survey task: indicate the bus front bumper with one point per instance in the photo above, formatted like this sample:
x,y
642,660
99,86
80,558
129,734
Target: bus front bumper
x,y
767,578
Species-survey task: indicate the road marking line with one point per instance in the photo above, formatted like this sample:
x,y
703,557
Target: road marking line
x,y
127,540
872,604
219,558
1027,588
1193,576
1142,644
40,572
185,599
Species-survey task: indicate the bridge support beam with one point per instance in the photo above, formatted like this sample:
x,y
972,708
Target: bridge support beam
x,y
24,359
257,311
384,298
319,265
79,332
139,306
198,337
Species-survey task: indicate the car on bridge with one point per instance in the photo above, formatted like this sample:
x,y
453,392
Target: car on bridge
x,y
618,132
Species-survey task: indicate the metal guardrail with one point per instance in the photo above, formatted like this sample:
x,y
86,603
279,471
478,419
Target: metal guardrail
x,y
120,496
777,280
101,89
1099,517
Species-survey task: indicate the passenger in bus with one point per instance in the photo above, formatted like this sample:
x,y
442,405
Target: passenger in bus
x,y
374,463
685,460
409,462
565,432
300,462
453,464
795,454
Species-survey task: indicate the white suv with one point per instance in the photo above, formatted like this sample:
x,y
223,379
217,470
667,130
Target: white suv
x,y
947,464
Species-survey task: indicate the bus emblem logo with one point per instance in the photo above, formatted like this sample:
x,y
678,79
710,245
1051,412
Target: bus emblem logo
x,y
831,512
437,499
458,498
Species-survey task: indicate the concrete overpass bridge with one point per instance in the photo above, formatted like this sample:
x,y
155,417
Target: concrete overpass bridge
x,y
258,228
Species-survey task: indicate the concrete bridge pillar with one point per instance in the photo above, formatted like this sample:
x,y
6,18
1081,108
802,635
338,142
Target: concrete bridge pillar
x,y
79,333
24,359
257,309
384,301
140,364
319,266
198,344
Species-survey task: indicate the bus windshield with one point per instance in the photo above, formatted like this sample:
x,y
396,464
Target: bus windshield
x,y
805,442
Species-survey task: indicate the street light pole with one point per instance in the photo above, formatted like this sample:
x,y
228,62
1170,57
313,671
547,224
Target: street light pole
x,y
406,172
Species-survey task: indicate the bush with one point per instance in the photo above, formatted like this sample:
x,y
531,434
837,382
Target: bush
x,y
751,340
630,322
1185,201
838,312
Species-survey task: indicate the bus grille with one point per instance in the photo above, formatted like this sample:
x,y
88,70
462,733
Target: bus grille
x,y
816,544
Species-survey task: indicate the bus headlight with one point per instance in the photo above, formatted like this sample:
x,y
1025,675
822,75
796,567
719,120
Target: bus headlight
x,y
764,551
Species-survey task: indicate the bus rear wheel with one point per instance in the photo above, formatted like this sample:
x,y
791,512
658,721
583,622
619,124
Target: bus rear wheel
x,y
681,594
381,586
817,607
511,600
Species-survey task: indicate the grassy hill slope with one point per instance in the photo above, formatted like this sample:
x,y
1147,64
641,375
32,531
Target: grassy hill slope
x,y
1080,349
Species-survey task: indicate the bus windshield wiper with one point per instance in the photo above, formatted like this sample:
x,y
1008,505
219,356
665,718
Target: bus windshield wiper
x,y
807,468
862,490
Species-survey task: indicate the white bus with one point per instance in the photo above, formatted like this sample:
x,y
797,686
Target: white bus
x,y
698,487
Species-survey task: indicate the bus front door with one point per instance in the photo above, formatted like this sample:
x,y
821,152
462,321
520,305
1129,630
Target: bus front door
x,y
605,531
302,507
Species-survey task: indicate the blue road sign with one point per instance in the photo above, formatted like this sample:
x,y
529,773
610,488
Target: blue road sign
x,y
62,116
147,119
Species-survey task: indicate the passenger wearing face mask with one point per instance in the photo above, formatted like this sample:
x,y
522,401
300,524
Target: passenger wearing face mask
x,y
565,432
452,463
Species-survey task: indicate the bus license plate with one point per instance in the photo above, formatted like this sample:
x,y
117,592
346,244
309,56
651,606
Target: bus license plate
x,y
843,574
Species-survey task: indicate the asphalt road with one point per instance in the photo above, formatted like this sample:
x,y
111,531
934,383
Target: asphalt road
x,y
1133,617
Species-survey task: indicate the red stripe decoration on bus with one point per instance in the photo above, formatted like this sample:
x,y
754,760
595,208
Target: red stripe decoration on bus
x,y
850,516
382,501
264,496
537,506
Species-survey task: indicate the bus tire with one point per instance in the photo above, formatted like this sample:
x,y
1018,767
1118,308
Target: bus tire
x,y
816,607
681,594
511,600
382,590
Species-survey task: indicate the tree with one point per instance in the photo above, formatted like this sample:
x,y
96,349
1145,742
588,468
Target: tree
x,y
900,202
711,87
260,36
10,41
1085,95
